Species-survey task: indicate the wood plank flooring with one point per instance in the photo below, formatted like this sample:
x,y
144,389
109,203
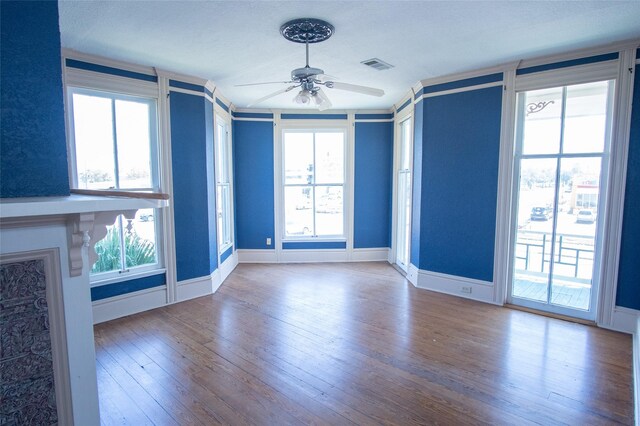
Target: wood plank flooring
x,y
355,344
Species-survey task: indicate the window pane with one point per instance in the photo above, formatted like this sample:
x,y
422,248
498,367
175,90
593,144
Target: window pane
x,y
542,120
93,132
405,157
298,158
298,210
535,226
221,156
329,218
140,239
134,145
586,117
575,232
329,158
109,251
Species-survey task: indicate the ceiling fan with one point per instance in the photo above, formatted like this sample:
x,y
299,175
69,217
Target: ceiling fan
x,y
308,79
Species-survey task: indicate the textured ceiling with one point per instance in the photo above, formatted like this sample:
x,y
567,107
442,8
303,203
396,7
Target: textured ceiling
x,y
235,42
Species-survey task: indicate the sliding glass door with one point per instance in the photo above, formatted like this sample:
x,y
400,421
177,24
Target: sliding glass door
x,y
561,161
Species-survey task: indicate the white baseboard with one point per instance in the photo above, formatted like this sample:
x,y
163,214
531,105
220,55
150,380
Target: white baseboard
x,y
227,267
636,371
481,291
197,287
624,320
313,256
128,304
380,254
412,274
257,256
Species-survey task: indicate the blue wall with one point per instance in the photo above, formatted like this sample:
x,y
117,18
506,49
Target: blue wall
x,y
628,294
124,287
253,182
33,145
190,162
372,184
460,150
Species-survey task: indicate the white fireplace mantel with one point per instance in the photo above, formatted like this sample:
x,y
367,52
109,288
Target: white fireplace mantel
x,y
87,217
66,226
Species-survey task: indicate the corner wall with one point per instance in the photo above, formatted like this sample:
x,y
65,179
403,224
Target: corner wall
x,y
33,145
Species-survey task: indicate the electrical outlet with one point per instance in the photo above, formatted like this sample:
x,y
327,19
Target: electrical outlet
x,y
466,290
268,241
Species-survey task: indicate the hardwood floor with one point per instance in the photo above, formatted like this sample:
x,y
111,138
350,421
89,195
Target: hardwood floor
x,y
355,344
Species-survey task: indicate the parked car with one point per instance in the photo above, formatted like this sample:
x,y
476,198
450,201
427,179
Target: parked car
x,y
586,216
541,213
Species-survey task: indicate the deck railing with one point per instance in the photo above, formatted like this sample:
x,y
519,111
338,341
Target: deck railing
x,y
534,247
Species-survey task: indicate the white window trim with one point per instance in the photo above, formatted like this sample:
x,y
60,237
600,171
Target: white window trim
x,y
279,126
82,81
616,70
319,126
408,113
220,115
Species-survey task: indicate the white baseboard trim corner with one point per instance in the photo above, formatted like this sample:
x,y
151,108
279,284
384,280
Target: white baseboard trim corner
x,y
468,288
624,320
197,287
227,267
257,256
377,254
128,304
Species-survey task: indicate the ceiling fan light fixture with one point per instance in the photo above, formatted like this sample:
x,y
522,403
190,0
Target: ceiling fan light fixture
x,y
303,97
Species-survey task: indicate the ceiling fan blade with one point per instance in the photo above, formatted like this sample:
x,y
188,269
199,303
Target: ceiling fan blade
x,y
267,82
264,98
326,103
355,88
326,77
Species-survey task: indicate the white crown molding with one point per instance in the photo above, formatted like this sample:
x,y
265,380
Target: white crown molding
x,y
581,53
406,97
467,74
171,75
107,62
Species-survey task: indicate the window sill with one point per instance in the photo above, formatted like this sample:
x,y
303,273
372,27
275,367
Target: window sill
x,y
314,240
127,277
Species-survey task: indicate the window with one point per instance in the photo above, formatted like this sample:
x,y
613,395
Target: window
x,y
223,185
314,183
114,146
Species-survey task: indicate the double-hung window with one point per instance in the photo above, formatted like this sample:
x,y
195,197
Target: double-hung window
x,y
114,145
223,184
313,184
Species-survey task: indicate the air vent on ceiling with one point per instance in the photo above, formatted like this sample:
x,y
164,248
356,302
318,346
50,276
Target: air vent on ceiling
x,y
377,64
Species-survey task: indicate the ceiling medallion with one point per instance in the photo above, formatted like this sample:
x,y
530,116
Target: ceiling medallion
x,y
307,30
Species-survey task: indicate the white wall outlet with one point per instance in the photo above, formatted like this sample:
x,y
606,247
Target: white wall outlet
x,y
466,290
268,241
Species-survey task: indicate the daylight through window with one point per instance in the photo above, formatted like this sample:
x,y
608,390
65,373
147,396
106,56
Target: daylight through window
x,y
314,183
115,147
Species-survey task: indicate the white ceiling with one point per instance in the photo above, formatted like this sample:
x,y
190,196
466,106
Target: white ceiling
x,y
235,42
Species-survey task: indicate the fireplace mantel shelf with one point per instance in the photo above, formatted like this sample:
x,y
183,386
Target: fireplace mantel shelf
x,y
15,208
86,216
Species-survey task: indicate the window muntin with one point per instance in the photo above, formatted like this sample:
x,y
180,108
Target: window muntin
x,y
114,144
223,185
313,166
